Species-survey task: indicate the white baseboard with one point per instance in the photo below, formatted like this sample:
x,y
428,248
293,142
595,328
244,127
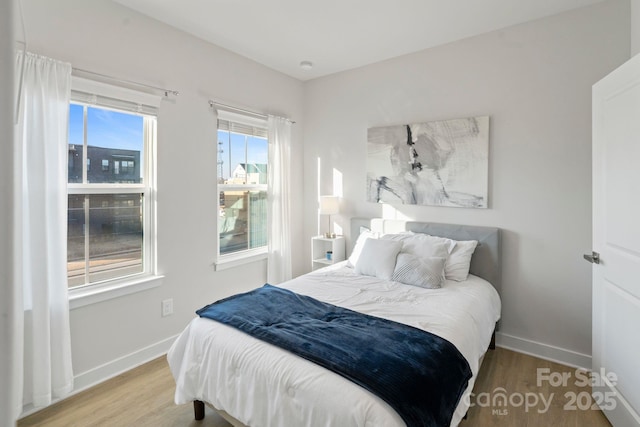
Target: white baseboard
x,y
118,366
544,351
95,376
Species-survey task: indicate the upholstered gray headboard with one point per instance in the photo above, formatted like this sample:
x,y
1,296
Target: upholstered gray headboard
x,y
486,260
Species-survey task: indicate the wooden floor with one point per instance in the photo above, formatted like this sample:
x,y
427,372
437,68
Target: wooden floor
x,y
517,375
144,397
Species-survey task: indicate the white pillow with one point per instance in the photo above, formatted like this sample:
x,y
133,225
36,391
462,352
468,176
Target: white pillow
x,y
378,258
423,245
458,253
418,271
398,236
357,248
459,261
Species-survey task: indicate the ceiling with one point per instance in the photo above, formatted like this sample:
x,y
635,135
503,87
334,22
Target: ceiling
x,y
337,35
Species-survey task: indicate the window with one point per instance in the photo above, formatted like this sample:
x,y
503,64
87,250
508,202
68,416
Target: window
x,y
242,184
127,167
110,217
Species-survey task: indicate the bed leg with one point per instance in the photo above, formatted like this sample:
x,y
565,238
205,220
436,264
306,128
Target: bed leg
x,y
198,409
492,344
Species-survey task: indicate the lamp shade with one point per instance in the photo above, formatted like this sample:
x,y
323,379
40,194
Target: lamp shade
x,y
329,205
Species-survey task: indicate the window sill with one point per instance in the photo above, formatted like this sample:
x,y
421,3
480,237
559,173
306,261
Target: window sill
x,y
93,294
230,261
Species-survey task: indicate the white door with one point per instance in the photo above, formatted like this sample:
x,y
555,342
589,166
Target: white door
x,y
616,238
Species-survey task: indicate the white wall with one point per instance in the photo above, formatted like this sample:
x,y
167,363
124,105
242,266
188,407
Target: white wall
x,y
635,27
534,80
6,218
107,38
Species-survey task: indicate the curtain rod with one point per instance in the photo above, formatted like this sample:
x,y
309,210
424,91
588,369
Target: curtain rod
x,y
116,79
213,103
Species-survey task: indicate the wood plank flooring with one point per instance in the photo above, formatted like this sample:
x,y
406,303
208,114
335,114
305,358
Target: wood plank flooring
x,y
516,374
144,397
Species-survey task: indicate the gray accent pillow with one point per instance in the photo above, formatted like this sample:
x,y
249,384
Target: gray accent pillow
x,y
418,271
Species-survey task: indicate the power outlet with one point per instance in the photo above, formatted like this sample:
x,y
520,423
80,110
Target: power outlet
x,y
167,307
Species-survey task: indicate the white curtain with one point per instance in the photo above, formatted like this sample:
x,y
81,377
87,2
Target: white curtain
x,y
279,200
41,230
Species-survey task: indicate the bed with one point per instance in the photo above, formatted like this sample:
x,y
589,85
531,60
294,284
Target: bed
x,y
250,382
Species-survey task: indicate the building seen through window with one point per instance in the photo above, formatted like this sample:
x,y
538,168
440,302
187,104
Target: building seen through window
x,y
242,185
118,165
106,204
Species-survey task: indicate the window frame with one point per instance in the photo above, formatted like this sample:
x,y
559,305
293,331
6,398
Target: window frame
x,y
92,292
234,259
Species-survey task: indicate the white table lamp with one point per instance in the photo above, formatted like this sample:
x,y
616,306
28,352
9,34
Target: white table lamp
x,y
329,205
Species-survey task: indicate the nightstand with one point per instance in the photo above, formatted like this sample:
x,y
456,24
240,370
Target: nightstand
x,y
319,247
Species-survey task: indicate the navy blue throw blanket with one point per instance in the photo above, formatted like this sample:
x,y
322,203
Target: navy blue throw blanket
x,y
421,375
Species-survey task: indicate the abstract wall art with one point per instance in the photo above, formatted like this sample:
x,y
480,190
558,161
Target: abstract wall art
x,y
438,163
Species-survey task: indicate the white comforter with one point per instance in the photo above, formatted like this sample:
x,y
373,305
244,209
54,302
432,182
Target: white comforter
x,y
263,385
